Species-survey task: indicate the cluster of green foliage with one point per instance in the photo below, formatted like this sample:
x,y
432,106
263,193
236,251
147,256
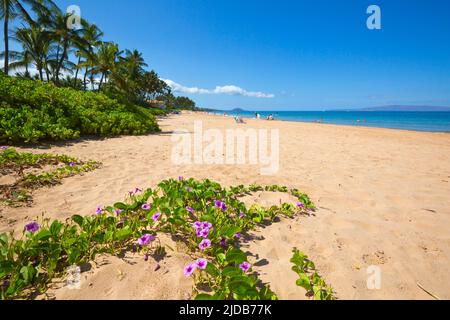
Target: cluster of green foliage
x,y
309,279
29,263
32,111
47,44
13,162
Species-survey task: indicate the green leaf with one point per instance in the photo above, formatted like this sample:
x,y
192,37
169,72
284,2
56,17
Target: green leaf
x,y
78,220
236,255
43,235
304,282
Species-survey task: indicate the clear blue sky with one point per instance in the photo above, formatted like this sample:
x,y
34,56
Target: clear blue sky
x,y
310,55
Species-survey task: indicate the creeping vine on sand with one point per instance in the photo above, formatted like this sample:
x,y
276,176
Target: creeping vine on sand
x,y
208,218
15,163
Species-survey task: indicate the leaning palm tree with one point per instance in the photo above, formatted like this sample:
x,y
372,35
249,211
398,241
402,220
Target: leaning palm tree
x,y
92,38
11,9
65,39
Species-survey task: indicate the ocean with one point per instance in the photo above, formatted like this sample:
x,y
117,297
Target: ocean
x,y
406,120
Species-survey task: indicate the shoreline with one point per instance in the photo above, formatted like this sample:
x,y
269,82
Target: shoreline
x,y
323,123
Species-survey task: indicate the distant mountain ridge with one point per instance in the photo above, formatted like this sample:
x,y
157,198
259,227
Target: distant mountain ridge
x,y
400,108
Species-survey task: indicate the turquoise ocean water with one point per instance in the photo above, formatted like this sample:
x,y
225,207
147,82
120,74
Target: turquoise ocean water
x,y
418,121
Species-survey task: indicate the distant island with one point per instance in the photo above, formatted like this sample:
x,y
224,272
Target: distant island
x,y
400,108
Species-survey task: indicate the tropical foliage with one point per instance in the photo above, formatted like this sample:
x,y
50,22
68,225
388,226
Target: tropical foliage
x,y
76,55
32,111
209,219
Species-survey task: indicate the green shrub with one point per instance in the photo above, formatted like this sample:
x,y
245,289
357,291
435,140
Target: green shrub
x,y
31,111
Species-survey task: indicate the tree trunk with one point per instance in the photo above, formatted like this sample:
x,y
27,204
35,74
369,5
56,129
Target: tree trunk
x,y
101,82
61,61
84,79
6,17
76,73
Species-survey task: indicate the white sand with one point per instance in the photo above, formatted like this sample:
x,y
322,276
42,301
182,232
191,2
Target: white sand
x,y
383,199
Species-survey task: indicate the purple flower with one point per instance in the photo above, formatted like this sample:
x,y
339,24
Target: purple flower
x,y
205,244
245,266
156,216
32,227
220,205
180,178
146,239
300,205
204,233
72,164
146,207
206,224
189,209
189,269
137,190
238,235
201,264
242,215
197,225
188,189
99,210
3,148
223,242
118,211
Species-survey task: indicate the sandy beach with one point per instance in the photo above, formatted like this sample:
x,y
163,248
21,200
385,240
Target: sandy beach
x,y
382,197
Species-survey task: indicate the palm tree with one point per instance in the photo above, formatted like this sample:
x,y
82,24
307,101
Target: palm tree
x,y
92,38
36,48
65,39
11,9
106,59
134,64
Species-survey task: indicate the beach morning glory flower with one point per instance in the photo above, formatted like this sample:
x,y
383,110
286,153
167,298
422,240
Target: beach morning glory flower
x,y
118,211
189,270
156,216
188,189
223,242
3,148
146,239
32,227
201,264
72,164
245,266
300,205
137,190
220,205
205,244
206,224
238,235
180,178
99,210
242,215
204,233
146,206
189,209
197,225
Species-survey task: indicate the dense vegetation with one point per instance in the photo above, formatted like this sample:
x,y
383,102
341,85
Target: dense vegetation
x,y
33,110
50,170
209,219
66,55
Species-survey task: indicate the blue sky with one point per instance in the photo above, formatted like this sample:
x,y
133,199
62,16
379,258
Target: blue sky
x,y
287,55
